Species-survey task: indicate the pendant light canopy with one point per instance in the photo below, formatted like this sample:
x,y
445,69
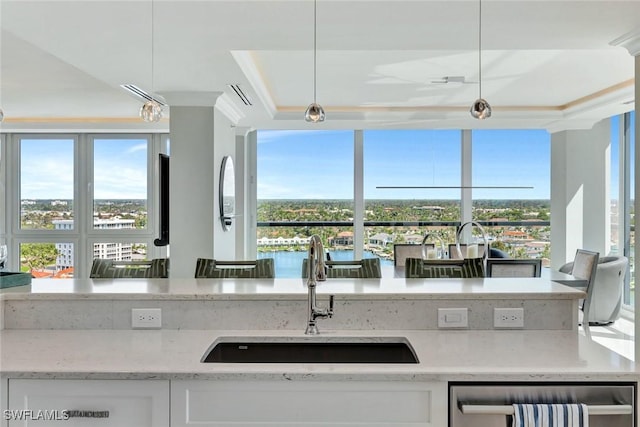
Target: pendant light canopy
x,y
480,109
151,111
315,112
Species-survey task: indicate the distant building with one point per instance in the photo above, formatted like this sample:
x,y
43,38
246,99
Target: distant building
x,y
536,248
429,208
344,238
381,239
113,251
515,235
59,203
413,238
283,241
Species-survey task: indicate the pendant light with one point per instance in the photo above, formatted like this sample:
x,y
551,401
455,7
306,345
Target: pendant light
x,y
480,109
315,112
151,111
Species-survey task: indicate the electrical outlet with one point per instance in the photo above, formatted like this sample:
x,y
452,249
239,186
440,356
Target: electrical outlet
x,y
146,318
508,317
453,318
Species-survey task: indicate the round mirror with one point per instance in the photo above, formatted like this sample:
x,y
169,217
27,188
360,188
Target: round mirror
x,y
227,192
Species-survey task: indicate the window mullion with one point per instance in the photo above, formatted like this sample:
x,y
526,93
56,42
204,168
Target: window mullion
x,y
82,214
358,194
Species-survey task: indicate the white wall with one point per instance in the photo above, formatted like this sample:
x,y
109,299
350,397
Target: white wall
x,y
246,242
201,135
192,180
246,190
224,242
580,192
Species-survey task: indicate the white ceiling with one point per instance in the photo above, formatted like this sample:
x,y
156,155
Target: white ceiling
x,y
545,64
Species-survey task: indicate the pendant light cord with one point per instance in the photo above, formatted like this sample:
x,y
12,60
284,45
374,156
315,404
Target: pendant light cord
x,y
152,48
315,6
480,48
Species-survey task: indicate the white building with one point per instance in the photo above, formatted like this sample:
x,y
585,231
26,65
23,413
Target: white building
x,y
114,251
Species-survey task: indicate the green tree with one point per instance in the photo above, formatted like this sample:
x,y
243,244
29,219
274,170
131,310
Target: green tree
x,y
38,255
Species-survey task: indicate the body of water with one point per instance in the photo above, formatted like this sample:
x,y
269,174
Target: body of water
x,y
289,263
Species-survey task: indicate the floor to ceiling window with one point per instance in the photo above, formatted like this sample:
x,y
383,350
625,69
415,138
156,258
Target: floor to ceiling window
x,y
305,187
518,217
57,227
622,196
47,182
632,234
411,189
401,216
120,192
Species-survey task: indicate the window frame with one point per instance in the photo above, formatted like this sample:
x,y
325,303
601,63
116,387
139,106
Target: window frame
x,y
151,194
83,235
16,184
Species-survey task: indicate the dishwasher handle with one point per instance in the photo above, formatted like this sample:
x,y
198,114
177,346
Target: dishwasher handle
x,y
508,409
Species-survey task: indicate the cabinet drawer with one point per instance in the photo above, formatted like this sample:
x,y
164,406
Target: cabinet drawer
x,y
308,404
117,403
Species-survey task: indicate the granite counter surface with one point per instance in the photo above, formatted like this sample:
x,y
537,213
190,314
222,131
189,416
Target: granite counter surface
x,y
266,289
444,356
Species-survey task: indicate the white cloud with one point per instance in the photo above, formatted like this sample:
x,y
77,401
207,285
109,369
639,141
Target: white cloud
x,y
138,147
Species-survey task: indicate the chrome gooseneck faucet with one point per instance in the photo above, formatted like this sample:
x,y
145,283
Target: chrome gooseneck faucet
x,y
315,273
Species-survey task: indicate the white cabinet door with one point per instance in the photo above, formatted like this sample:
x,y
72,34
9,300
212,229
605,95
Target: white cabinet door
x,y
104,403
308,404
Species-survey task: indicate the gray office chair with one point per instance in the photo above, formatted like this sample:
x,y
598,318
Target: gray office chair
x,y
263,268
607,290
584,266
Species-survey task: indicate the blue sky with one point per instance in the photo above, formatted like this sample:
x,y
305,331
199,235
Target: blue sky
x,y
296,164
319,164
47,169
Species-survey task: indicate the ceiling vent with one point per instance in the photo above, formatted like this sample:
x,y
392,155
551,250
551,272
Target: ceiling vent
x,y
243,96
141,94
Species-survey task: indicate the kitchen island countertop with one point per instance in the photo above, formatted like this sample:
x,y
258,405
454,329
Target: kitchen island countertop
x,y
221,289
443,356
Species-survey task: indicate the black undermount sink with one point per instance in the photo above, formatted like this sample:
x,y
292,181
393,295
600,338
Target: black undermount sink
x,y
310,350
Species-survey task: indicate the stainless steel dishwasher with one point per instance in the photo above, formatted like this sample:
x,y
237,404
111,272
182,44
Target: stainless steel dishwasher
x,y
489,404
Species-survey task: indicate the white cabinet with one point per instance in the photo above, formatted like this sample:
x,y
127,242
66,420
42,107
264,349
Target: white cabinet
x,y
104,403
308,403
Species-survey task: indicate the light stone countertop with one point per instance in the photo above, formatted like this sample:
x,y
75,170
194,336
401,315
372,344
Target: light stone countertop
x,y
444,356
267,289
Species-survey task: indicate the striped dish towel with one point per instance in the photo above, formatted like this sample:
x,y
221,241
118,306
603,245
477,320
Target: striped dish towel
x,y
550,415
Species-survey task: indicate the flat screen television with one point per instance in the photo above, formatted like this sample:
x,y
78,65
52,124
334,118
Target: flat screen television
x,y
163,169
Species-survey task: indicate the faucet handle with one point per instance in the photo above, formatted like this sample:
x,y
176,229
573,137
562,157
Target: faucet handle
x,y
331,298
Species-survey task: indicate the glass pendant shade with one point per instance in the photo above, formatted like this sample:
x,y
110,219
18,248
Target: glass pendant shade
x,y
151,111
480,109
314,113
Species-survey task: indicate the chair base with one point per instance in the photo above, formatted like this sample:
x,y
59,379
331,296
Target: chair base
x,y
601,323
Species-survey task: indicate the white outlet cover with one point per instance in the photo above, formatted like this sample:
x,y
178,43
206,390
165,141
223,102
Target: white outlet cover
x,y
508,317
453,318
146,318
